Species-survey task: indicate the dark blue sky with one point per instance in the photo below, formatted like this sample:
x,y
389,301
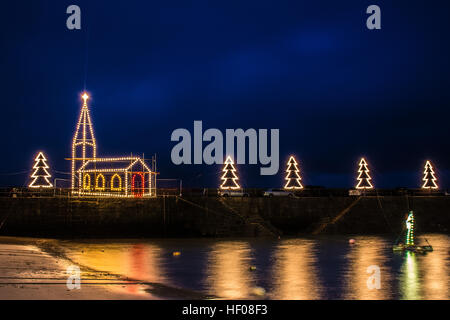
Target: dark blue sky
x,y
336,90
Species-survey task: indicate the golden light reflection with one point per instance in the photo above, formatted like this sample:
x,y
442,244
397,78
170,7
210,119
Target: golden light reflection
x,y
294,271
436,270
367,252
409,279
136,262
228,272
141,265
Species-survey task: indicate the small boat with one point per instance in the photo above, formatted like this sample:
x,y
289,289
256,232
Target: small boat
x,y
417,249
410,238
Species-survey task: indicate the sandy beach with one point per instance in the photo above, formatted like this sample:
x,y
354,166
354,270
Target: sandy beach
x,y
37,269
28,273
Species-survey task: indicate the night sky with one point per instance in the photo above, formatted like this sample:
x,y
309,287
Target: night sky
x,y
336,90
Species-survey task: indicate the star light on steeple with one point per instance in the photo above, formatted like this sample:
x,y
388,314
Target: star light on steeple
x,y
85,98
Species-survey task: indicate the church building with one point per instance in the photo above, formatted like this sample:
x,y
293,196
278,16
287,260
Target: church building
x,y
106,177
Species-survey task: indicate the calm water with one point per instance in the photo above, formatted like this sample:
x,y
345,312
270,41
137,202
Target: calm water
x,y
300,268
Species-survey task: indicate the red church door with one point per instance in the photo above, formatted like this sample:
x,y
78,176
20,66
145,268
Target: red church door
x,y
137,185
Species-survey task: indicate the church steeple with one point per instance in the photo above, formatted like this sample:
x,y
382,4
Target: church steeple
x,y
84,146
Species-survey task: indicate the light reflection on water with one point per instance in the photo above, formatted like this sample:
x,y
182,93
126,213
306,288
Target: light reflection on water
x,y
409,279
135,261
436,284
298,269
228,270
294,271
426,276
370,251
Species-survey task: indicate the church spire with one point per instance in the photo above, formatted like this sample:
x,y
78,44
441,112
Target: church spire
x,y
83,145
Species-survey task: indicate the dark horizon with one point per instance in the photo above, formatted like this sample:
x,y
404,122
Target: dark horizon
x,y
336,90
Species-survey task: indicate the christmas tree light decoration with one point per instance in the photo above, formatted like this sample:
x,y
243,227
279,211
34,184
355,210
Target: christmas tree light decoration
x,y
410,229
40,175
429,177
364,179
292,177
97,185
229,176
87,182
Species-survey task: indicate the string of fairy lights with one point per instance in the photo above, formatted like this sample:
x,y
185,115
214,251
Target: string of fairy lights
x,y
293,178
293,175
364,178
119,182
429,178
85,123
410,229
40,176
91,174
229,176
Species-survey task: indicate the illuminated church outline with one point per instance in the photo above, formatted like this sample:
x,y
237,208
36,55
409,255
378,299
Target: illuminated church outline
x,y
106,177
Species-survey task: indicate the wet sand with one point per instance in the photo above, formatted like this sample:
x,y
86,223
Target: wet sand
x,y
27,272
36,269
